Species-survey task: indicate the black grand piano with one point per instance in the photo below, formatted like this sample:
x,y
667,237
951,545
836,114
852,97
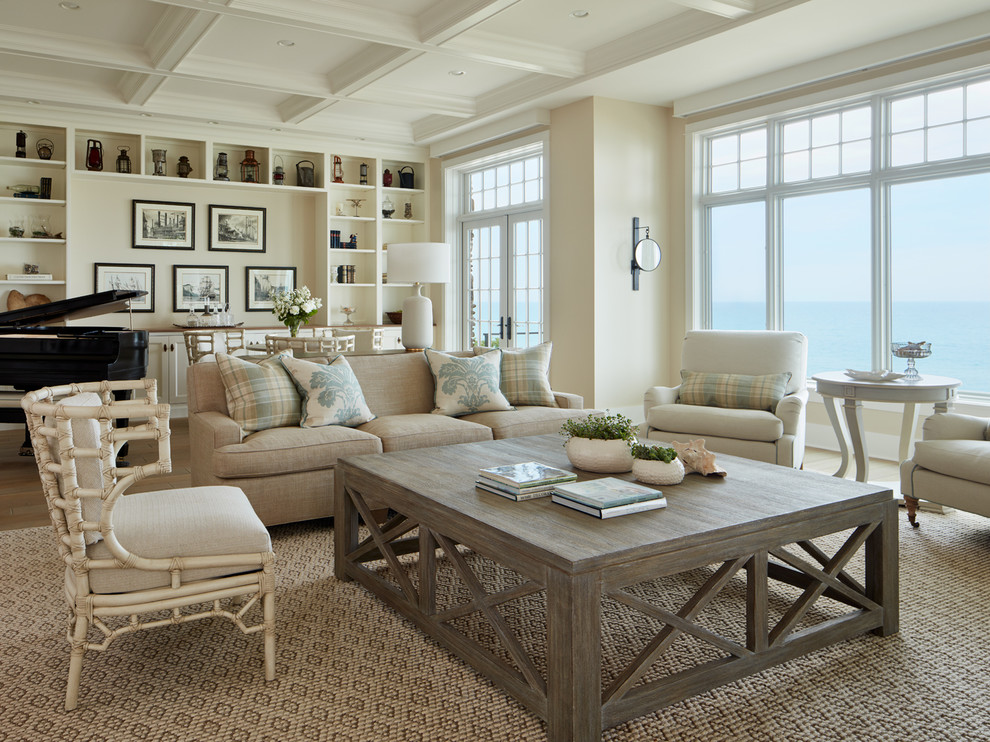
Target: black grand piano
x,y
37,352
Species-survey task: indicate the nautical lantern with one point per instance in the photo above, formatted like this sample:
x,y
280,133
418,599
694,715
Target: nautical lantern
x,y
183,168
338,170
388,208
21,144
46,148
278,174
221,170
94,154
123,161
364,173
250,168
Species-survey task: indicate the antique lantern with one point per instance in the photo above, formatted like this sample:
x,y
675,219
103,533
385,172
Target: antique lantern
x,y
46,148
21,138
94,154
158,158
250,168
278,174
338,170
220,173
364,173
123,161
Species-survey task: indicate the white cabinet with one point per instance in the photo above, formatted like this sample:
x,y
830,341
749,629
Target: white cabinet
x,y
167,362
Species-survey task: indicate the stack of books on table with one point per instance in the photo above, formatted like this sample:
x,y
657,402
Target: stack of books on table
x,y
522,481
608,497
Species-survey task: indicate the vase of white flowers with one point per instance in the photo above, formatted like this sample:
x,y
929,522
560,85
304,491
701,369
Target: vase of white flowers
x,y
294,308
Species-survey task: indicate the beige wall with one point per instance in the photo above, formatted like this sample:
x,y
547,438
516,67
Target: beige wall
x,y
610,161
101,217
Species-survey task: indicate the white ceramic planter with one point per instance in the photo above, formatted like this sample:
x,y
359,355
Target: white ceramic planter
x,y
592,454
658,472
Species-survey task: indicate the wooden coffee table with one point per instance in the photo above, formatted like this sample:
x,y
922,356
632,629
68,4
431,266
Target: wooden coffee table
x,y
740,523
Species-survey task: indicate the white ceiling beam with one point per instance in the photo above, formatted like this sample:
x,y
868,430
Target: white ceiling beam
x,y
297,108
446,19
459,106
365,67
724,8
136,88
176,34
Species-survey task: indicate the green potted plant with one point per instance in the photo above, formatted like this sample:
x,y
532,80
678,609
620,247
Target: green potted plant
x,y
600,443
656,464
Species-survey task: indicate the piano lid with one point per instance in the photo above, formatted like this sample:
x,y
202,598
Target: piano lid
x,y
90,305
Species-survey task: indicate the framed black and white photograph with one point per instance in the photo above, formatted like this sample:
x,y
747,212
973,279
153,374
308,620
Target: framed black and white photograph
x,y
164,225
237,228
195,285
127,277
263,281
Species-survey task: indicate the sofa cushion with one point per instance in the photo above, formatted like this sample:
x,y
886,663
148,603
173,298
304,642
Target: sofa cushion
x,y
291,449
259,395
525,373
195,521
418,430
961,459
530,420
330,393
466,384
734,391
753,425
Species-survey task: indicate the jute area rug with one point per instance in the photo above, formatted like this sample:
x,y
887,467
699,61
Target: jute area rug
x,y
351,669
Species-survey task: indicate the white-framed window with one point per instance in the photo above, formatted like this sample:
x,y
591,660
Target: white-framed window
x,y
858,223
500,229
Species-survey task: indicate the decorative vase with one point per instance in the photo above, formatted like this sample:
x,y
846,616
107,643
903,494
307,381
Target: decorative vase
x,y
605,456
293,326
658,472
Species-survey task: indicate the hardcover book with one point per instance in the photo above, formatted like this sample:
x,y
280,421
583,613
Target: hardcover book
x,y
634,507
514,494
528,474
607,492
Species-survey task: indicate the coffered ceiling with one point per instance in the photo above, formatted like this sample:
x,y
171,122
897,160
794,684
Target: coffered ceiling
x,y
422,70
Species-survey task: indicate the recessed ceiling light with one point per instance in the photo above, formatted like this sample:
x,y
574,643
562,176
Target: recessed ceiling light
x,y
33,103
285,42
146,115
65,5
457,73
214,123
275,128
580,13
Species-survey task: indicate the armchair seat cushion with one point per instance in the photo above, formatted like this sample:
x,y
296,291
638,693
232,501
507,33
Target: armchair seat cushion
x,y
697,420
420,430
289,450
963,459
194,521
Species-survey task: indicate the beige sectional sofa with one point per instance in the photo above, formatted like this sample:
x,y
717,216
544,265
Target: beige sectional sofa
x,y
287,472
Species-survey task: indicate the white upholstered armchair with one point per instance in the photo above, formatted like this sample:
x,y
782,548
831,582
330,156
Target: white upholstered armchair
x,y
747,395
950,465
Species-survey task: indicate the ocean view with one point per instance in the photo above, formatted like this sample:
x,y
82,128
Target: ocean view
x,y
839,334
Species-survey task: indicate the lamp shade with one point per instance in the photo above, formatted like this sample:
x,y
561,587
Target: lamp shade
x,y
418,262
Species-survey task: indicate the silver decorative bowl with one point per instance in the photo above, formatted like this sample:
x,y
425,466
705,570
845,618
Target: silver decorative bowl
x,y
911,351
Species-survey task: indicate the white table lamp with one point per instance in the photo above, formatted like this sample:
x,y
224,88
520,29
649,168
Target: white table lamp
x,y
418,263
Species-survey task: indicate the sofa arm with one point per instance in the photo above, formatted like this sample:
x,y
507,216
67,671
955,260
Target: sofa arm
x,y
657,395
208,431
953,426
792,409
569,401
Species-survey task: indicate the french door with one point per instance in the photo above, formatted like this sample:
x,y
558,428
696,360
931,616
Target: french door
x,y
504,280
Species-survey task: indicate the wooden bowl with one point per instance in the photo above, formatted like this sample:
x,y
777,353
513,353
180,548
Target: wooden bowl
x,y
394,317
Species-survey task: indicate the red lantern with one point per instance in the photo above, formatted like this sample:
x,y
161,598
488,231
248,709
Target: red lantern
x,y
338,170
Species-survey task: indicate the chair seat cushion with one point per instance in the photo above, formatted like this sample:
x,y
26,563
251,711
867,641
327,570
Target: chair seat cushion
x,y
968,460
289,450
530,420
194,521
420,430
752,425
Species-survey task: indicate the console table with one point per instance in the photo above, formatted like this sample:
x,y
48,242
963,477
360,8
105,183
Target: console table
x,y
835,385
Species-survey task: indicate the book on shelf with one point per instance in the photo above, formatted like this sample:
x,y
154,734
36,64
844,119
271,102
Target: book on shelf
x,y
527,474
497,488
29,276
607,492
633,507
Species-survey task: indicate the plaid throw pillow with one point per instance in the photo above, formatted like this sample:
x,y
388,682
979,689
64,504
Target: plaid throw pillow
x,y
331,393
737,391
259,395
466,385
525,375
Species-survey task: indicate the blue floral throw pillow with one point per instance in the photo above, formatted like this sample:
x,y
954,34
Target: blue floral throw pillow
x,y
330,393
465,385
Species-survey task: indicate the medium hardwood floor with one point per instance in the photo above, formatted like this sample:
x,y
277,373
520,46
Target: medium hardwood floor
x,y
23,506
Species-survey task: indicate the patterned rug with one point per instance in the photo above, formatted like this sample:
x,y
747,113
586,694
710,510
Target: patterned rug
x,y
350,669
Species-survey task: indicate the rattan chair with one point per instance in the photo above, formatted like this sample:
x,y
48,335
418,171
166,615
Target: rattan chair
x,y
200,343
148,552
377,338
309,345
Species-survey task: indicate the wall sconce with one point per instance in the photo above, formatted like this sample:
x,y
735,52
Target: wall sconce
x,y
646,253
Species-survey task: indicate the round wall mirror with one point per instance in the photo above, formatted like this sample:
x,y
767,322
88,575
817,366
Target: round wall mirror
x,y
647,254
